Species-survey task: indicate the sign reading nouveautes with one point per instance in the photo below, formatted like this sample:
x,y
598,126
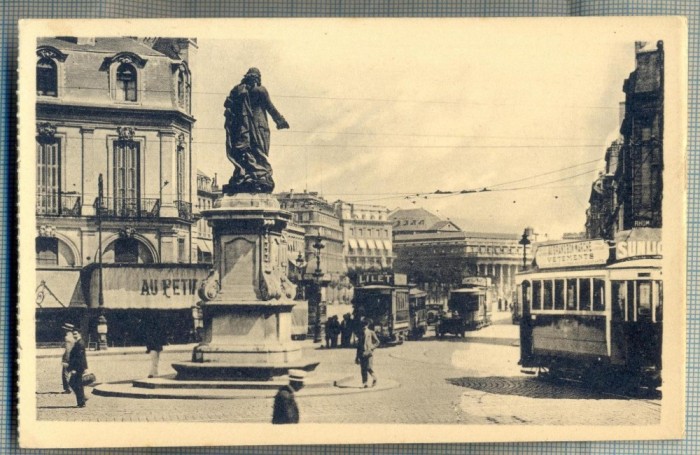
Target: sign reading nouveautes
x,y
572,254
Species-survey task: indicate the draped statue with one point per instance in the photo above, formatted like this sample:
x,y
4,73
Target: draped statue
x,y
248,135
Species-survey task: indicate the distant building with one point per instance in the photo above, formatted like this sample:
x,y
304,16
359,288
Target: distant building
x,y
367,236
208,192
437,254
318,218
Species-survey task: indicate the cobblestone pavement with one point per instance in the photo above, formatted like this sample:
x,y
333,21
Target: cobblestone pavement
x,y
451,381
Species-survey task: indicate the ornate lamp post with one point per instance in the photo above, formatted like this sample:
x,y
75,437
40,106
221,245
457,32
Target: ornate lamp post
x,y
318,275
299,275
524,242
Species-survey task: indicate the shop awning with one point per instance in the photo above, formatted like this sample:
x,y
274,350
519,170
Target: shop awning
x,y
387,245
353,243
362,243
205,245
371,245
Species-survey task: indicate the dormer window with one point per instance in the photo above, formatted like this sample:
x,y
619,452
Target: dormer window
x,y
182,85
126,82
46,77
48,69
124,71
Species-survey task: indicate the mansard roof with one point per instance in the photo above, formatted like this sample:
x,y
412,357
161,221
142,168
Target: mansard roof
x,y
102,45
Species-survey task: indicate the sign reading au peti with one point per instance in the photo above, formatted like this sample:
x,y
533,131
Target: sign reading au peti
x,y
572,254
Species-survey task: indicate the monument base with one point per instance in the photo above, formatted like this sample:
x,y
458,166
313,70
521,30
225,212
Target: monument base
x,y
220,371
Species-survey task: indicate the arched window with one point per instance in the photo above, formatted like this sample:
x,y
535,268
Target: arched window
x,y
126,81
46,77
51,251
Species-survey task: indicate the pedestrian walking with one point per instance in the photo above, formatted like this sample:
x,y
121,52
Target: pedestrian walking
x,y
68,342
285,409
156,338
329,330
77,364
366,345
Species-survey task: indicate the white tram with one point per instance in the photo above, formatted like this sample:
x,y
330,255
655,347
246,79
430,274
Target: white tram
x,y
596,322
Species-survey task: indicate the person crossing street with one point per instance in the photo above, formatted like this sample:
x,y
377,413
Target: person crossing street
x,y
366,345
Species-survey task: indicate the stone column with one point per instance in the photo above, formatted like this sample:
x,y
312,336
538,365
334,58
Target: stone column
x,y
168,173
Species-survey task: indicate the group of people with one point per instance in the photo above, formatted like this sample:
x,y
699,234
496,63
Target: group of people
x,y
347,330
74,363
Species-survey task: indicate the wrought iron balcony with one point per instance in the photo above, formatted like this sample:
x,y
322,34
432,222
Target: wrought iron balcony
x,y
184,210
128,207
56,204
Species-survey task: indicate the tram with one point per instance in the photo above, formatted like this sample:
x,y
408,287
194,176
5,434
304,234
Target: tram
x,y
470,307
593,316
418,311
385,300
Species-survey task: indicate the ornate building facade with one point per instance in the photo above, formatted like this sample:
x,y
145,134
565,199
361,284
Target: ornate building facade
x,y
114,158
367,236
629,193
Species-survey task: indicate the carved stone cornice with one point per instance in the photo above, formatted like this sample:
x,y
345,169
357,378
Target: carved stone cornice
x,y
124,57
46,230
125,133
45,132
50,52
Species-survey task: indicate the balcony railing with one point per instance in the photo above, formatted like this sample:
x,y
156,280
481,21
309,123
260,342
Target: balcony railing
x,y
129,207
58,205
184,210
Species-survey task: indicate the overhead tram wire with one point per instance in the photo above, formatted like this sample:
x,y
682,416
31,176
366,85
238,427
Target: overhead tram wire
x,y
490,146
379,100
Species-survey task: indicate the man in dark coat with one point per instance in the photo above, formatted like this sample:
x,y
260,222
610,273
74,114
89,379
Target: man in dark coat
x,y
156,338
77,364
286,409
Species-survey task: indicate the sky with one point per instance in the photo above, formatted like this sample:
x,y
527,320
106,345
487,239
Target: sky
x,y
387,117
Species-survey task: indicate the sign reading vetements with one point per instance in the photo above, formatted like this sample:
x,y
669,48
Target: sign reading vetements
x,y
571,254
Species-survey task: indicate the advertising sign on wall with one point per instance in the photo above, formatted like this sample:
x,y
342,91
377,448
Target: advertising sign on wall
x,y
572,254
153,286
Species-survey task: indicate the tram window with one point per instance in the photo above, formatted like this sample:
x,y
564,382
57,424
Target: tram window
x,y
619,295
660,302
644,299
585,294
525,294
571,294
536,295
630,302
598,294
559,295
548,304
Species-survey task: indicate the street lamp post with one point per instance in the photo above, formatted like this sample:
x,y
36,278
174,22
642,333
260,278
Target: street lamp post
x,y
524,242
102,320
318,275
299,275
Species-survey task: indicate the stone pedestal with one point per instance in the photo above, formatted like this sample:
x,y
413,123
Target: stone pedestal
x,y
247,325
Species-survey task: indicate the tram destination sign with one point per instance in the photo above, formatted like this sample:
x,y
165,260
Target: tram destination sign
x,y
572,254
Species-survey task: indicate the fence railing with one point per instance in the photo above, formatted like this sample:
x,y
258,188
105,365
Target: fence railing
x,y
58,204
128,207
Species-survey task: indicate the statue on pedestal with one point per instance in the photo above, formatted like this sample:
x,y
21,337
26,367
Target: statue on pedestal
x,y
248,135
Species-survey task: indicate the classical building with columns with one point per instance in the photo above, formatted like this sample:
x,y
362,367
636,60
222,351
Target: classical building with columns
x,y
114,158
436,254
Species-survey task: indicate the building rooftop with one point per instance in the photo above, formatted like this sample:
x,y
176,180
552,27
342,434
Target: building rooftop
x,y
101,45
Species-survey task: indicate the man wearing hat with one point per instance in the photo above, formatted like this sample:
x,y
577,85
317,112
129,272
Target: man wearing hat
x,y
77,364
286,410
366,345
68,342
